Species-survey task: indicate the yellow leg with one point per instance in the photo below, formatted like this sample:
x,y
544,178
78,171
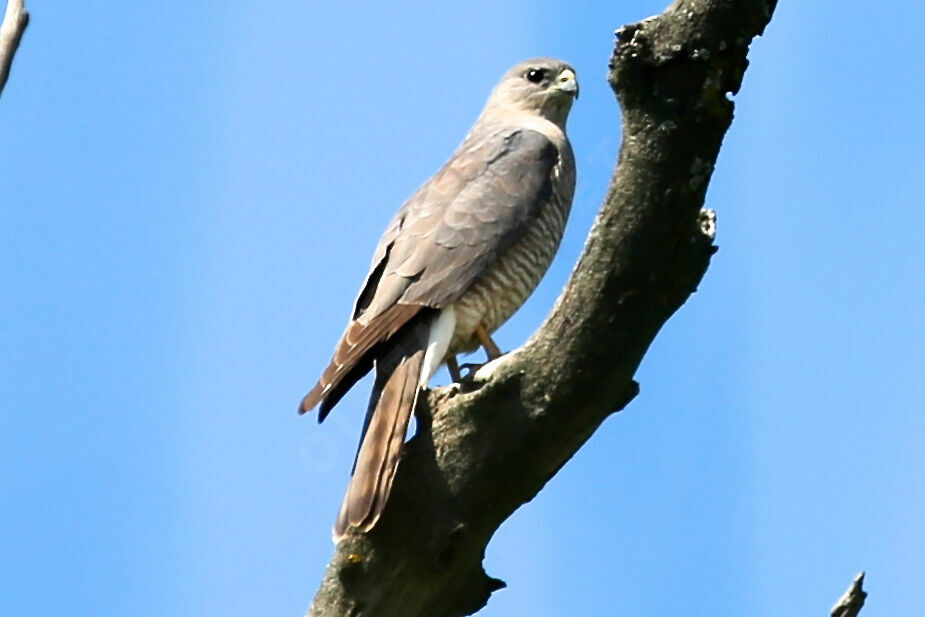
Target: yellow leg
x,y
491,350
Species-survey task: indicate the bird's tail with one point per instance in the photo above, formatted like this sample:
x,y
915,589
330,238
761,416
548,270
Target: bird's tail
x,y
391,404
402,371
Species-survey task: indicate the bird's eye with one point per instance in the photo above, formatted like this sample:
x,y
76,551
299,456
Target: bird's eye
x,y
536,75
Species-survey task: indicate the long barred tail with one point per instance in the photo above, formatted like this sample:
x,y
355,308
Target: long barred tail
x,y
413,356
377,460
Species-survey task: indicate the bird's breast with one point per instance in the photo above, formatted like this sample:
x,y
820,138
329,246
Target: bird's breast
x,y
505,286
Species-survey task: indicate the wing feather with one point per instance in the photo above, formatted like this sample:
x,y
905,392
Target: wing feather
x,y
492,189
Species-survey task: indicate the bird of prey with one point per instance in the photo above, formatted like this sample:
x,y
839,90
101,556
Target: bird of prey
x,y
456,261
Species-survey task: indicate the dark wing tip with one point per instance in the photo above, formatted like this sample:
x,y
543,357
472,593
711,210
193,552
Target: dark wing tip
x,y
326,406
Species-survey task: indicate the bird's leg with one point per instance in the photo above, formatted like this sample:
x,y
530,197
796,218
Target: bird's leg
x,y
453,367
491,350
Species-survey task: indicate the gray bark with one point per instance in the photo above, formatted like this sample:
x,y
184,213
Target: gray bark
x,y
15,20
484,448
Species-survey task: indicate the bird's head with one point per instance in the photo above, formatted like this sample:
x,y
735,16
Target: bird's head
x,y
544,86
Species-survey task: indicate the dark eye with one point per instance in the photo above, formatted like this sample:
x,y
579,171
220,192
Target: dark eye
x,y
536,75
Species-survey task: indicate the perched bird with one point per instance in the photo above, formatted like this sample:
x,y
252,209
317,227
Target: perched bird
x,y
456,261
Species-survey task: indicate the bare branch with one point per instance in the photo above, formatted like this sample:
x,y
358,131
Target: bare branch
x,y
14,24
849,605
487,447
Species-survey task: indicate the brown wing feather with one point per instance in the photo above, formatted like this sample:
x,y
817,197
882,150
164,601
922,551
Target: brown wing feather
x,y
377,459
356,343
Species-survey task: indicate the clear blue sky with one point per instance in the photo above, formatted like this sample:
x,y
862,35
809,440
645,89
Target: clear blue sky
x,y
189,197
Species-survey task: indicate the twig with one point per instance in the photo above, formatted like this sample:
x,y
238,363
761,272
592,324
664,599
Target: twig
x,y
849,605
14,24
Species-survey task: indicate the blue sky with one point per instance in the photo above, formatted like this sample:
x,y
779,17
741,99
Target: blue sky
x,y
190,194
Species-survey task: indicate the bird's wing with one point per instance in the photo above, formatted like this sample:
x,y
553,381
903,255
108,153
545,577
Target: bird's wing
x,y
354,355
469,213
444,237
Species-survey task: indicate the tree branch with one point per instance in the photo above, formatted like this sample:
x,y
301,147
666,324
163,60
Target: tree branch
x,y
14,24
484,448
849,605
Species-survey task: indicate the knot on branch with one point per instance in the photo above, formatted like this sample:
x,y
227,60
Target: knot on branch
x,y
707,224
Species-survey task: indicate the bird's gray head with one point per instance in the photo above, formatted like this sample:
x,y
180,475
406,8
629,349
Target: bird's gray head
x,y
543,86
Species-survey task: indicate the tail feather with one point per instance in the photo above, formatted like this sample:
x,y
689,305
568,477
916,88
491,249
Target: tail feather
x,y
402,370
391,405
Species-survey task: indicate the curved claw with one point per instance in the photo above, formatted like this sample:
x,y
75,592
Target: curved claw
x,y
467,370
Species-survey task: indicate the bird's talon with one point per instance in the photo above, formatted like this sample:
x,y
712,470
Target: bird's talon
x,y
467,370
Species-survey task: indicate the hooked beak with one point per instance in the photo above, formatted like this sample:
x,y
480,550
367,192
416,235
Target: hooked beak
x,y
566,82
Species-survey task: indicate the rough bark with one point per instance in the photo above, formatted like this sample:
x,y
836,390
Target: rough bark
x,y
485,448
849,605
14,24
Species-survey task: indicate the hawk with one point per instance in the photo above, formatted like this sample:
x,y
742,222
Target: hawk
x,y
456,261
